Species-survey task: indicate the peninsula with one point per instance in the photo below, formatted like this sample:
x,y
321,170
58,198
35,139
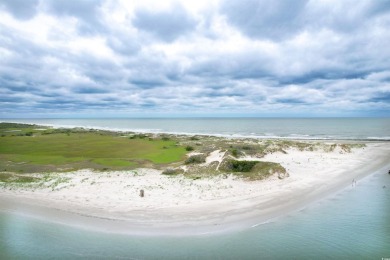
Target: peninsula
x,y
143,183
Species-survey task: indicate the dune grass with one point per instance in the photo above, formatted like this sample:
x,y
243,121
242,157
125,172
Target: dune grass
x,y
14,178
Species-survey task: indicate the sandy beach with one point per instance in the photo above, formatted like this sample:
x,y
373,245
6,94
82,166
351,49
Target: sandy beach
x,y
178,205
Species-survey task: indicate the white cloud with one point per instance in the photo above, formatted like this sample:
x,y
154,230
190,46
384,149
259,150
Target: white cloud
x,y
203,56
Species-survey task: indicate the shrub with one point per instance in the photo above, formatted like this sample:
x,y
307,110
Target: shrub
x,y
240,166
253,170
235,153
140,136
165,138
199,158
172,171
194,138
189,148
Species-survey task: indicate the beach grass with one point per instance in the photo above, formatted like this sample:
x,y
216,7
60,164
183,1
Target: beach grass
x,y
14,178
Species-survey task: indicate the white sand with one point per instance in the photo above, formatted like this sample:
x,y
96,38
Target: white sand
x,y
178,205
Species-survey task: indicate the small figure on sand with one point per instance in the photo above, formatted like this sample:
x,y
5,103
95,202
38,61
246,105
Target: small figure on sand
x,y
353,183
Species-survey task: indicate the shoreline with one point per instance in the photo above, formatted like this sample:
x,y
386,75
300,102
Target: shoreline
x,y
211,216
293,137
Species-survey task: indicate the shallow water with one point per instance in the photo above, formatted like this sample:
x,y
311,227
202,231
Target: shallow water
x,y
355,223
294,128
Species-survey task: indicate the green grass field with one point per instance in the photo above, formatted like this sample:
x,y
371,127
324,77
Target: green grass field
x,y
29,149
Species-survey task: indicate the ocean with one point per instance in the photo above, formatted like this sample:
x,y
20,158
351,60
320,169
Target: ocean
x,y
352,224
290,128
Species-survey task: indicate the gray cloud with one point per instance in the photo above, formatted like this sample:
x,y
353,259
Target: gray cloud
x,y
123,44
279,20
265,19
86,11
165,25
379,7
20,9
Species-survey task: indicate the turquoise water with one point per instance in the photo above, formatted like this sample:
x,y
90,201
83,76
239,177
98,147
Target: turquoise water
x,y
353,224
295,128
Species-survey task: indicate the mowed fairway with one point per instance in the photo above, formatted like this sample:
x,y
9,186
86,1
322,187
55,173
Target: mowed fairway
x,y
72,150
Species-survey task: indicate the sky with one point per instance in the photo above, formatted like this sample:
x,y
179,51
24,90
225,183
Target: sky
x,y
105,58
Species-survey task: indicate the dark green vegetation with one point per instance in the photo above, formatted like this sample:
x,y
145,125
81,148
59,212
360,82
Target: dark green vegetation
x,y
253,170
239,166
199,158
235,152
189,148
29,148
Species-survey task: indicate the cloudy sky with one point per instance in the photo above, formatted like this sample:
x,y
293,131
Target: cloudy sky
x,y
99,58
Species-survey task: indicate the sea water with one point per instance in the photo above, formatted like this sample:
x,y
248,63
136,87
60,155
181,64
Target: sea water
x,y
352,224
292,128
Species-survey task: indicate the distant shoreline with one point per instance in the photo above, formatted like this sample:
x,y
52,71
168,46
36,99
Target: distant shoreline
x,y
293,137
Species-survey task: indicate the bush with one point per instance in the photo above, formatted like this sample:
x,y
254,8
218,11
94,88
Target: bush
x,y
253,170
172,171
199,158
189,148
240,166
235,153
140,136
194,138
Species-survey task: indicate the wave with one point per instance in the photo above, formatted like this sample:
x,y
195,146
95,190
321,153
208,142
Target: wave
x,y
253,135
